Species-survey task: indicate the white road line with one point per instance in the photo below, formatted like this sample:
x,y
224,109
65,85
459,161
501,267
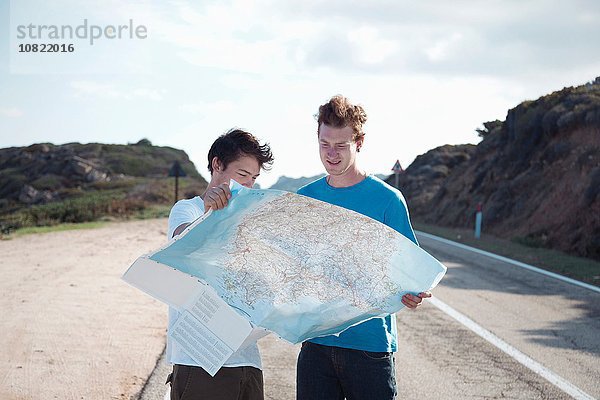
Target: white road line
x,y
513,262
522,358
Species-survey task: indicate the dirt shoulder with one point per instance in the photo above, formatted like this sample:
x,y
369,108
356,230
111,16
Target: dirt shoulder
x,y
71,328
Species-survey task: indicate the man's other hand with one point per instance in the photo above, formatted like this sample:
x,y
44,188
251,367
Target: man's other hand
x,y
217,197
411,301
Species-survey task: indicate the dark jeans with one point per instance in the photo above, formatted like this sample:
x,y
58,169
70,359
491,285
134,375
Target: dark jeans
x,y
335,373
235,383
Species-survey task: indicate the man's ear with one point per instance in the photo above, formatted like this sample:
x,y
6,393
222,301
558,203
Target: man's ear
x,y
216,164
359,143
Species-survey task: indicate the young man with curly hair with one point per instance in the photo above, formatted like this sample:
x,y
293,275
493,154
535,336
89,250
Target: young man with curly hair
x,y
239,156
359,363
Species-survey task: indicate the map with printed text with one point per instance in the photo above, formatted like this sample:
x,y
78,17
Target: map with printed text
x,y
300,267
285,266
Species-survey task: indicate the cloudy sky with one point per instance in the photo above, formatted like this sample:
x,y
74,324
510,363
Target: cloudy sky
x,y
427,72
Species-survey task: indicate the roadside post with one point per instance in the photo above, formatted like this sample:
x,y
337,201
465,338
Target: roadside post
x,y
177,172
397,168
478,218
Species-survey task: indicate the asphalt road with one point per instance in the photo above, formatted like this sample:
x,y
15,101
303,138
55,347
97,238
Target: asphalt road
x,y
554,325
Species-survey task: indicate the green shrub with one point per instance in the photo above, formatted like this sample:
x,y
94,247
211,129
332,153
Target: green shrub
x,y
86,208
47,182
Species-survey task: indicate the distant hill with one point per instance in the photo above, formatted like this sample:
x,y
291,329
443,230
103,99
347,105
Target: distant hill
x,y
45,183
383,177
537,174
293,184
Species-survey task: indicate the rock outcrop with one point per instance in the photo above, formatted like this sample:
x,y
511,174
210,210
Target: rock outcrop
x,y
44,172
537,175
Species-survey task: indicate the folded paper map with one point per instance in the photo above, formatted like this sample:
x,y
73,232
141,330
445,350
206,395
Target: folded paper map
x,y
299,267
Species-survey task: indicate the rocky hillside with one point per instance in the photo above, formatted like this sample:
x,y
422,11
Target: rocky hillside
x,y
427,174
293,184
537,175
72,178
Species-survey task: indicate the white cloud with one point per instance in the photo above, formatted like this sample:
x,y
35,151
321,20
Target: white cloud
x,y
494,38
372,47
441,49
11,112
111,91
150,94
96,89
220,107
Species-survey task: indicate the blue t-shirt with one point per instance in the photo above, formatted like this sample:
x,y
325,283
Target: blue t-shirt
x,y
376,199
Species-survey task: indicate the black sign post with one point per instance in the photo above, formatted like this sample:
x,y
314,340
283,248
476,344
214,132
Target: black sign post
x,y
177,172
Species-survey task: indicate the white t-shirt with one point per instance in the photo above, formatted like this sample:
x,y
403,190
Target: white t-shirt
x,y
187,211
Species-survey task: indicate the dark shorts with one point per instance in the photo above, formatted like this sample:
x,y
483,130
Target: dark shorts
x,y
335,373
235,383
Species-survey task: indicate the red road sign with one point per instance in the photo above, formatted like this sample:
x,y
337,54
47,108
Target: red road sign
x,y
397,167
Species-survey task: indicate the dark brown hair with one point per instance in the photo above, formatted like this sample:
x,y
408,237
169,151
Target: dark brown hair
x,y
236,143
338,112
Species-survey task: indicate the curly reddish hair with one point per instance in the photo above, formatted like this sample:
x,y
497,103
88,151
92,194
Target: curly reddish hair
x,y
338,112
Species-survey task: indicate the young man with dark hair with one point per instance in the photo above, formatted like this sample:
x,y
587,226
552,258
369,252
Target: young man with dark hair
x,y
359,363
239,156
